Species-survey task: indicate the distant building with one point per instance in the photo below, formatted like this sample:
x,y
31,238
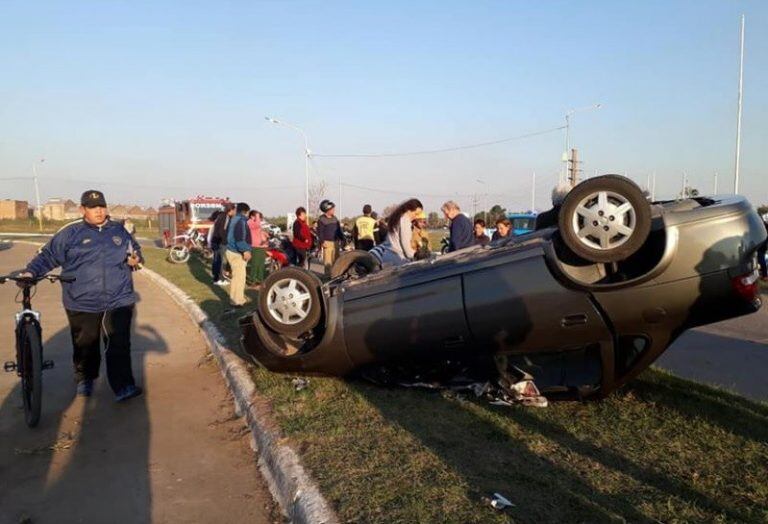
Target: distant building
x,y
14,209
72,212
54,208
136,213
118,211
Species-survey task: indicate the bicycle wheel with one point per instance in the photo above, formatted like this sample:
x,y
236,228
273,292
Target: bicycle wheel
x,y
31,372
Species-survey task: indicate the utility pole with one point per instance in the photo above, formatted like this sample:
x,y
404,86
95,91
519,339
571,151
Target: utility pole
x,y
573,169
738,114
682,190
37,195
714,192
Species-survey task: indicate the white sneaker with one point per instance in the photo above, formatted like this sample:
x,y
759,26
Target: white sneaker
x,y
222,283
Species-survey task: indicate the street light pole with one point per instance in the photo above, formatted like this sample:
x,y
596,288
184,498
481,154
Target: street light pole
x,y
307,154
37,194
738,116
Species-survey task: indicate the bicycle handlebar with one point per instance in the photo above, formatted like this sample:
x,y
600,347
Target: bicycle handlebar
x,y
32,281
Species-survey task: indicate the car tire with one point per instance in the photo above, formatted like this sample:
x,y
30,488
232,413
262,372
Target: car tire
x,y
605,219
356,262
290,302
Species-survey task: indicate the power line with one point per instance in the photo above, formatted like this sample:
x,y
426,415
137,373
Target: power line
x,y
444,150
152,186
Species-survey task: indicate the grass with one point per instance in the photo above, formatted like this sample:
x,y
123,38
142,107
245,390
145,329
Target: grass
x,y
661,449
52,226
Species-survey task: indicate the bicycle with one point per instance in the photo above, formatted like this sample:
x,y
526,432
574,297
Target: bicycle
x,y
29,364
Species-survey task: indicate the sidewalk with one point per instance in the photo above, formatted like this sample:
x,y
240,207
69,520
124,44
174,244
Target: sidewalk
x,y
176,454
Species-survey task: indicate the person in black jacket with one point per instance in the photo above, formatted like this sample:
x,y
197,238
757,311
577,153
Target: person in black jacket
x,y
503,229
462,232
481,238
329,234
217,240
550,217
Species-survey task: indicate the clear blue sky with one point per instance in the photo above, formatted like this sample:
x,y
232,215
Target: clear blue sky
x,y
168,98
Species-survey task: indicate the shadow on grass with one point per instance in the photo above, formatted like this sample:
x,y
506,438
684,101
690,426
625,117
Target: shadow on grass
x,y
730,412
505,450
490,459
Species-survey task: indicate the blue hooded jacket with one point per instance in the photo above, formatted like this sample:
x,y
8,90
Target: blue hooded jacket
x,y
96,257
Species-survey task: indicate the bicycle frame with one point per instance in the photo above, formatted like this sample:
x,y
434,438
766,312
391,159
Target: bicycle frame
x,y
32,316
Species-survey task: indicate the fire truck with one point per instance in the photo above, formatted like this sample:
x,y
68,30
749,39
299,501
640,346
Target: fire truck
x,y
184,224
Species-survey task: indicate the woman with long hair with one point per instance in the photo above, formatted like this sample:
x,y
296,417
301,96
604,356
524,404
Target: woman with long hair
x,y
397,248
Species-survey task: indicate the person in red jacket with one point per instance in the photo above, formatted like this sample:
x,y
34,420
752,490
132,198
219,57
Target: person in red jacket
x,y
302,237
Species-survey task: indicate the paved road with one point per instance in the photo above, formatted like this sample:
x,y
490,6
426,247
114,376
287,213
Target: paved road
x,y
177,454
732,354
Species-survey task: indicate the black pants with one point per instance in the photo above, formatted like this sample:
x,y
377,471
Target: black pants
x,y
114,326
364,244
299,257
217,261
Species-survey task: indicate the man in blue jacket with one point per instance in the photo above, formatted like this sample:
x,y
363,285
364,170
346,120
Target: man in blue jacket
x,y
100,254
462,230
238,254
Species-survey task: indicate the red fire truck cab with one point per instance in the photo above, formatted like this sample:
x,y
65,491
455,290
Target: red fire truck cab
x,y
177,217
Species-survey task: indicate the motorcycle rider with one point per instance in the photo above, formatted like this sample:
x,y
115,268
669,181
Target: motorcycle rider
x,y
329,234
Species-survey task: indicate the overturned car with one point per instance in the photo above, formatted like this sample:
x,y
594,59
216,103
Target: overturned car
x,y
582,307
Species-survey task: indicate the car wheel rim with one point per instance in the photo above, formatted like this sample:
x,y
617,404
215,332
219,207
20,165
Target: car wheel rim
x,y
289,301
604,220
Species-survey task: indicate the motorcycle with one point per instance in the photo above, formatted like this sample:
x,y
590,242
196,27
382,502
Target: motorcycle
x,y
279,252
183,245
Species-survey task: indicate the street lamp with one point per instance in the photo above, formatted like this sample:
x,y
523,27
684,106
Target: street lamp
x,y
306,154
568,116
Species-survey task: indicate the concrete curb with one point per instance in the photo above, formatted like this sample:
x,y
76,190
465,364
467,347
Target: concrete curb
x,y
290,484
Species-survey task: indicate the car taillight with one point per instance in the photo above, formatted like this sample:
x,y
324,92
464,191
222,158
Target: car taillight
x,y
747,286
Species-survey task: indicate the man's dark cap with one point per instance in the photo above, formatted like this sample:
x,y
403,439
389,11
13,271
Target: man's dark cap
x,y
93,198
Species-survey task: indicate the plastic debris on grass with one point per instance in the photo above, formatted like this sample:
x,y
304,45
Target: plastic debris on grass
x,y
510,387
500,502
300,383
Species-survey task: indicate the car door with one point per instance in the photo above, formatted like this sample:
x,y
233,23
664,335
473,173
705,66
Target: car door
x,y
412,314
513,304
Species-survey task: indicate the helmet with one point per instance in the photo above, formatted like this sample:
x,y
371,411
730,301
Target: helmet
x,y
325,205
421,215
